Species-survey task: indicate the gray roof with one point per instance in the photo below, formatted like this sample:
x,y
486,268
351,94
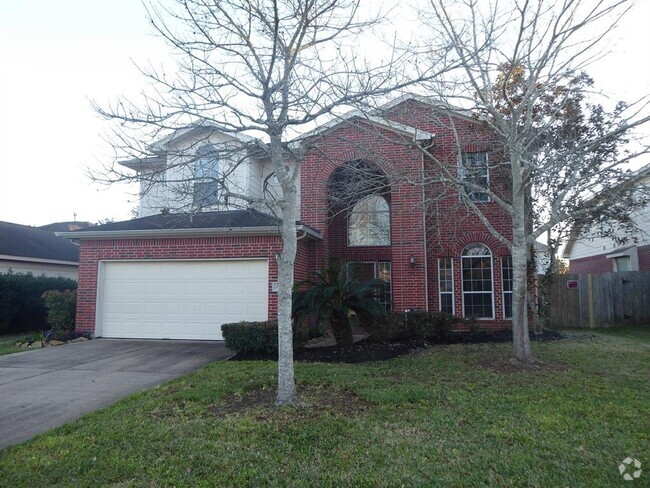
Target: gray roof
x,y
199,220
66,226
31,242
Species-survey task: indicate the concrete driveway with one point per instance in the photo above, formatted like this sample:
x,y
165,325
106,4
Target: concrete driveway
x,y
45,388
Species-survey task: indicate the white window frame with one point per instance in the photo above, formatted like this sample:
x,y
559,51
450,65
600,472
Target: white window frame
x,y
376,276
211,154
503,288
462,279
440,292
352,211
462,169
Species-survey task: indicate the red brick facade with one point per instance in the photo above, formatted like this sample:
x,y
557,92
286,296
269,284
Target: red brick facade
x,y
427,219
601,264
94,251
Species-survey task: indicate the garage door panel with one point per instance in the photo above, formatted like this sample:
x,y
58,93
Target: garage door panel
x,y
180,300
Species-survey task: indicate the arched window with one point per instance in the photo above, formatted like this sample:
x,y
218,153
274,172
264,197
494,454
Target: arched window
x,y
206,173
478,294
369,222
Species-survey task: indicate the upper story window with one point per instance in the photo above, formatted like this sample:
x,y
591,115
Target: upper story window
x,y
206,174
478,298
474,170
369,222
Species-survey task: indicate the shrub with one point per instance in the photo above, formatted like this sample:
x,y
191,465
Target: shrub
x,y
333,296
21,307
414,325
260,337
61,308
68,335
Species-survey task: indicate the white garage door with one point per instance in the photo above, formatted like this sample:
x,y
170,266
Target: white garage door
x,y
179,299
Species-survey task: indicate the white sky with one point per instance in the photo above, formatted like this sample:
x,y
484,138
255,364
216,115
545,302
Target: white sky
x,y
56,55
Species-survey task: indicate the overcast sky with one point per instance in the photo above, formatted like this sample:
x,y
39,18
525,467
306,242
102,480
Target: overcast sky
x,y
56,55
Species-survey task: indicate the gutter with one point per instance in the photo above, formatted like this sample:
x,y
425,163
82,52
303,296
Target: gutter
x,y
29,259
205,232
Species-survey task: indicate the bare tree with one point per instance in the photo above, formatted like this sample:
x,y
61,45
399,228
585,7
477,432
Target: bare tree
x,y
262,72
520,71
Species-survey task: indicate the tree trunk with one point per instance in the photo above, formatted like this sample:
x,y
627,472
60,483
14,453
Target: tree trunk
x,y
342,331
287,394
520,335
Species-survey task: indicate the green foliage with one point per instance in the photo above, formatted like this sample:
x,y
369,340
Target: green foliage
x,y
61,308
22,307
334,297
261,336
414,325
412,422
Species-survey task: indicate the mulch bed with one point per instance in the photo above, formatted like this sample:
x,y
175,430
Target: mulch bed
x,y
321,399
367,351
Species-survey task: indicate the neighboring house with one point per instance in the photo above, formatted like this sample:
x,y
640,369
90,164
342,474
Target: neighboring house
x,y
66,226
181,275
25,249
590,249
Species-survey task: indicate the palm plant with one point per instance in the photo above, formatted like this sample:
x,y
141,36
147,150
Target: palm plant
x,y
334,296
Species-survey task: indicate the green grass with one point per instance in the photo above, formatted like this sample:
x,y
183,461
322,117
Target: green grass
x,y
451,416
8,343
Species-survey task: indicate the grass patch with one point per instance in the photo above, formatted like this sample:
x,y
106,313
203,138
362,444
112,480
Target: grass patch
x,y
450,416
8,343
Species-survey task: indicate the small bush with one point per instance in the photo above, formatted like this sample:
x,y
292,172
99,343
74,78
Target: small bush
x,y
414,325
61,308
260,336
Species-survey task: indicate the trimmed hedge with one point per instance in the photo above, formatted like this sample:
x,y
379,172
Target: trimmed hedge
x,y
22,307
414,325
262,336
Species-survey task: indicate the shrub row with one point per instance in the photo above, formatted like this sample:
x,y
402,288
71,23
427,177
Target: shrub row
x,y
22,307
262,337
414,325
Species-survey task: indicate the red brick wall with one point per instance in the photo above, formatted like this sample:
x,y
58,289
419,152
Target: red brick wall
x,y
91,252
644,258
449,224
592,264
402,165
600,264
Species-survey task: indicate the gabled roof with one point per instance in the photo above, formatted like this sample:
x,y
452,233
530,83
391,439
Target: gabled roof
x,y
160,145
358,115
248,222
435,103
638,177
22,242
64,226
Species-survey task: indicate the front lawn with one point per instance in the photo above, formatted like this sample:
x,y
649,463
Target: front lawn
x,y
456,415
8,343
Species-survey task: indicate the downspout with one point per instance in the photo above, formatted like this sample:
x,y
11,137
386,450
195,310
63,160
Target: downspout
x,y
424,232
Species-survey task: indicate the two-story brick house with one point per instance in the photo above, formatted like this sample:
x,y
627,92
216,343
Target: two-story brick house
x,y
181,275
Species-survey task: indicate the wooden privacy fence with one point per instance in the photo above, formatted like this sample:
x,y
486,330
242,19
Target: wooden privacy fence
x,y
600,300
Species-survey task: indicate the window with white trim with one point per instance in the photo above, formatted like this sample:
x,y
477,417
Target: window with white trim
x,y
369,222
474,170
367,271
622,263
506,277
206,174
478,295
446,285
